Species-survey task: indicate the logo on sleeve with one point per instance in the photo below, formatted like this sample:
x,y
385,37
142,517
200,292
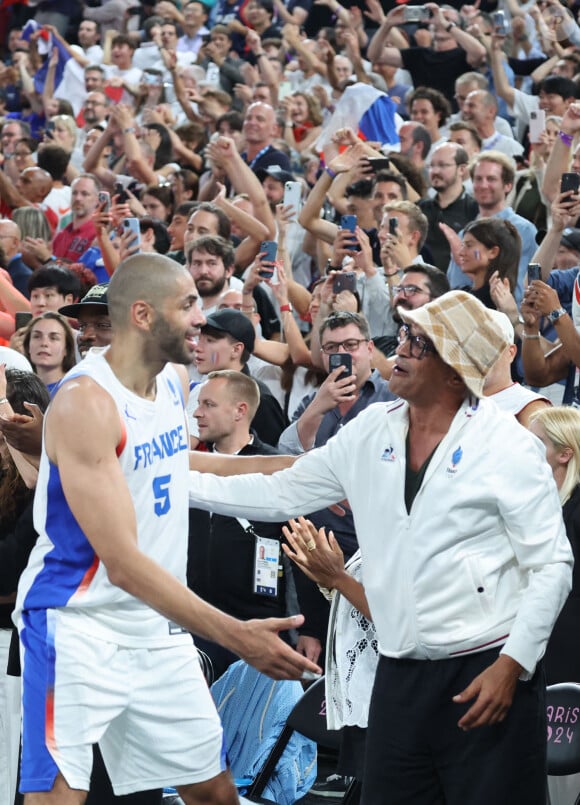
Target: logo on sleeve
x,y
455,459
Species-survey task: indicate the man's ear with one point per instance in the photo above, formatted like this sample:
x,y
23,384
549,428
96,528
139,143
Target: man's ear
x,y
142,314
241,410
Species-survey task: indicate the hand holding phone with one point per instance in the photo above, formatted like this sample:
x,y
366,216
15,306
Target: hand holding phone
x,y
534,272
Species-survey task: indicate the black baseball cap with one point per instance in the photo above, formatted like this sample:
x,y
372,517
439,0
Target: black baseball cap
x,y
95,296
234,323
276,172
570,238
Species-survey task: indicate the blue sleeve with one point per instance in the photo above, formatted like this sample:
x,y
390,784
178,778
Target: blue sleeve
x,y
562,281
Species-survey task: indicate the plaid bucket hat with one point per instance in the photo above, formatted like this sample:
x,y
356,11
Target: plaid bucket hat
x,y
464,333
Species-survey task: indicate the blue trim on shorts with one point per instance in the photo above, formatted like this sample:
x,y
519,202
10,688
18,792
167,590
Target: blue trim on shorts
x,y
38,769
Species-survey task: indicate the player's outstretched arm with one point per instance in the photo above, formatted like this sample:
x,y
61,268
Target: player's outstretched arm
x,y
238,465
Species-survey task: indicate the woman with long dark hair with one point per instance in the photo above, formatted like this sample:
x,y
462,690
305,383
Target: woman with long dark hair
x,y
158,202
490,245
158,138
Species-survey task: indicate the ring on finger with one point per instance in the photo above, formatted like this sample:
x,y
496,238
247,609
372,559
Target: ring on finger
x,y
310,545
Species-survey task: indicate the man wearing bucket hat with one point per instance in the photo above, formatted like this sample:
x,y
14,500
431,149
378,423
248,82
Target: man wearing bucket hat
x,y
465,564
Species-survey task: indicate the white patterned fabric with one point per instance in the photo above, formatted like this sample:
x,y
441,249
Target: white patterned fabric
x,y
351,660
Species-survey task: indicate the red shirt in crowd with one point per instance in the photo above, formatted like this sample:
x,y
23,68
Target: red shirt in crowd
x,y
70,243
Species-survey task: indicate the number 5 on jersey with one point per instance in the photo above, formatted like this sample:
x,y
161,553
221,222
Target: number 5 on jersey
x,y
161,494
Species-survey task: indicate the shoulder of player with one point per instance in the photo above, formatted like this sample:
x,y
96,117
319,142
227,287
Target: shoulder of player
x,y
82,404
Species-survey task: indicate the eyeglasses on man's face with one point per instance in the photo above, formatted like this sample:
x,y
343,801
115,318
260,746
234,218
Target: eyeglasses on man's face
x,y
409,290
349,345
419,346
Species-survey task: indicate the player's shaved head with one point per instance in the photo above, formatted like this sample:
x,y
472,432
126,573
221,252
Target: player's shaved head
x,y
147,277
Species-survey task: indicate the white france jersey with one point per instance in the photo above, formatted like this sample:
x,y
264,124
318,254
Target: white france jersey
x,y
63,571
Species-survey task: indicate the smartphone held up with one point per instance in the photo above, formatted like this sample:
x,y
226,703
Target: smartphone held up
x,y
269,252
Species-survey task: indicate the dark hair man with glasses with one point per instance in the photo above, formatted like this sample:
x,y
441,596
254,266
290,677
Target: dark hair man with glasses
x,y
464,575
419,284
319,416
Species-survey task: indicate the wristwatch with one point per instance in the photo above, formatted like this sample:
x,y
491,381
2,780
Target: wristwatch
x,y
555,315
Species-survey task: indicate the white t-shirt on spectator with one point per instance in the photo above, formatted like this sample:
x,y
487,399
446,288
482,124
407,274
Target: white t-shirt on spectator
x,y
72,86
131,76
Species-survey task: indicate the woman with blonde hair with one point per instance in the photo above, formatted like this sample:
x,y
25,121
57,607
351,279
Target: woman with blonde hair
x,y
558,428
32,224
65,131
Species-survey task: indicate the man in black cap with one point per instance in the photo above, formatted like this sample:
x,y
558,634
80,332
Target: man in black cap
x,y
273,179
92,314
226,341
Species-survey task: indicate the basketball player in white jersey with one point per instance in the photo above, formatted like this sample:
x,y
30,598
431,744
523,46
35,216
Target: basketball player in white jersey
x,y
101,605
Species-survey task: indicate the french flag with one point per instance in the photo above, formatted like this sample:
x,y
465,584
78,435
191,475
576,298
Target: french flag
x,y
369,112
46,42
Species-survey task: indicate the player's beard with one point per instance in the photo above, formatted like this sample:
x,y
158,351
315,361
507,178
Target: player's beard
x,y
169,342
